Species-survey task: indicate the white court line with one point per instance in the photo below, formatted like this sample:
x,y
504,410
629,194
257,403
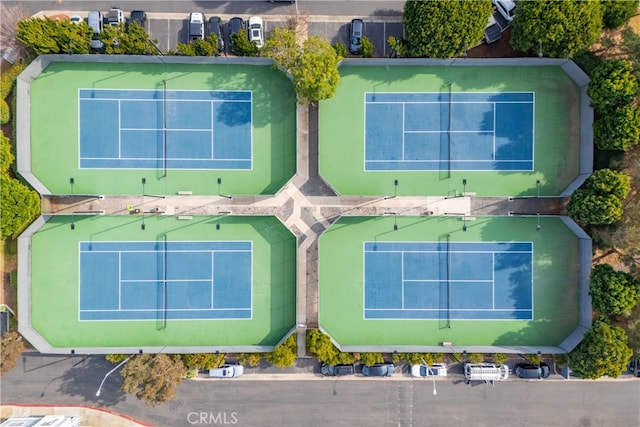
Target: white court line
x,y
119,281
402,279
212,267
493,280
119,129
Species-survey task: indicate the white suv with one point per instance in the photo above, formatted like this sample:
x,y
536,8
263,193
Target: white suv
x,y
506,8
256,31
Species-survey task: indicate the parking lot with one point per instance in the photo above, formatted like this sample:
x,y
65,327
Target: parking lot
x,y
171,29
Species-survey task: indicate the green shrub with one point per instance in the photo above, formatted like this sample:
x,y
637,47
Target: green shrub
x,y
588,208
5,112
612,85
6,156
367,47
475,357
607,181
13,279
19,206
285,354
534,359
116,358
250,359
617,129
203,360
499,358
341,50
418,358
371,358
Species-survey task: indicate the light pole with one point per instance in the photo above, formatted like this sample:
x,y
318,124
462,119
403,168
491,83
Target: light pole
x,y
109,373
433,377
143,181
537,188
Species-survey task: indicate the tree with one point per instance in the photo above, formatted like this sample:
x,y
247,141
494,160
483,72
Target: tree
x,y
285,354
19,206
116,358
588,208
11,347
367,47
559,29
607,181
46,36
632,327
616,13
316,75
203,360
11,15
603,351
617,129
153,378
121,40
613,292
242,46
631,47
612,85
199,47
443,28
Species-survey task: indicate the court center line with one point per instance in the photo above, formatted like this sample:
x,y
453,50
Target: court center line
x,y
119,280
213,106
493,154
493,280
402,279
403,127
213,254
119,129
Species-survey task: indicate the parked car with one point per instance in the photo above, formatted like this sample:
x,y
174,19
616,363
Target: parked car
x,y
96,22
379,370
492,31
527,370
139,17
76,19
215,27
337,370
236,25
506,8
227,371
196,26
256,31
355,36
435,370
115,16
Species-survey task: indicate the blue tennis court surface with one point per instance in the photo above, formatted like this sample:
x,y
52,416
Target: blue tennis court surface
x,y
165,280
172,129
449,131
435,280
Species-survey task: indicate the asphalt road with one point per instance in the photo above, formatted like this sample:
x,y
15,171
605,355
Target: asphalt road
x,y
401,402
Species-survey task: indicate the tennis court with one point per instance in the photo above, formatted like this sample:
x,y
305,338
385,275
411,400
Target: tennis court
x,y
449,131
182,126
165,129
178,285
452,280
409,281
166,280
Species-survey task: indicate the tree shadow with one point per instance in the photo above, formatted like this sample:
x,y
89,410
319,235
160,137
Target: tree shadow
x,y
83,380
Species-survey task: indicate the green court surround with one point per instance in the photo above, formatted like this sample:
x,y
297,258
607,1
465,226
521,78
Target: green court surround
x,y
556,129
55,291
341,277
54,127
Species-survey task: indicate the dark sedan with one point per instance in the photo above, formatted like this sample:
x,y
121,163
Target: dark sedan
x,y
379,370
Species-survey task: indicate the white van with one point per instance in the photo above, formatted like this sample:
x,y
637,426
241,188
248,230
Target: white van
x,y
95,21
487,372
